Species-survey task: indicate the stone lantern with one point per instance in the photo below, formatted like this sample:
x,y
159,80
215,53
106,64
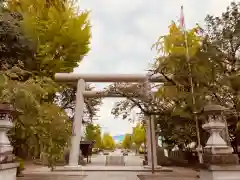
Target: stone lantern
x,y
7,165
218,157
215,125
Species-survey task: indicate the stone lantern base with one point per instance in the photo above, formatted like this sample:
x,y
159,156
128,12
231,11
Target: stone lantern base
x,y
220,172
220,159
8,171
220,167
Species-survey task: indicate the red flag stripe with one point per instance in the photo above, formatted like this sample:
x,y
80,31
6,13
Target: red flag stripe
x,y
182,23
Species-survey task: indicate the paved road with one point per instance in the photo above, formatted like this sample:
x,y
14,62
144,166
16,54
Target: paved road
x,y
51,177
130,176
98,160
131,160
106,176
112,176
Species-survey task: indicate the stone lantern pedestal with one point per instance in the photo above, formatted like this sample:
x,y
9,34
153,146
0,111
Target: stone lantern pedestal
x,y
8,166
219,161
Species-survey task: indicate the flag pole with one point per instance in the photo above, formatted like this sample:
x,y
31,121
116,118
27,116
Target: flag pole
x,y
199,148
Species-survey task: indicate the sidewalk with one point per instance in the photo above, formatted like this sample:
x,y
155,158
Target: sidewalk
x,y
83,170
65,169
45,174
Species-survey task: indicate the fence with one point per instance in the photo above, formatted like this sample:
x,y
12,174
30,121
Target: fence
x,y
178,158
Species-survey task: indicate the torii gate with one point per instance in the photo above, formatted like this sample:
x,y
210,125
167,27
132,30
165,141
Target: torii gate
x,y
81,79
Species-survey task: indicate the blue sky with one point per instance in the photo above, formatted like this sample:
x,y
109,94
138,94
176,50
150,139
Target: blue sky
x,y
123,32
118,138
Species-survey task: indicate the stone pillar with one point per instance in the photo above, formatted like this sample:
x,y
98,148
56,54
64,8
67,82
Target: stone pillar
x,y
148,143
149,129
148,133
77,123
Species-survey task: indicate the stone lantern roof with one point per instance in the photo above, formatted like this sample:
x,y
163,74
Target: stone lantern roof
x,y
214,109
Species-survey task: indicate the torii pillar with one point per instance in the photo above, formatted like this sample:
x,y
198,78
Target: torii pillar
x,y
150,131
77,125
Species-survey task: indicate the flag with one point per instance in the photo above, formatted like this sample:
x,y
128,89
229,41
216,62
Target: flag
x,y
183,28
182,21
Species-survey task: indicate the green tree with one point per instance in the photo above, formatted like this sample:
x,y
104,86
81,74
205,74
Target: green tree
x,y
127,141
98,143
223,41
41,133
173,99
93,133
15,46
42,39
108,142
183,73
139,135
67,97
213,66
160,107
60,33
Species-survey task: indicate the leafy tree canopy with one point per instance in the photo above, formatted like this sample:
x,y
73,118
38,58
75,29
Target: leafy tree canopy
x,y
40,38
59,32
93,133
139,135
108,141
127,141
213,66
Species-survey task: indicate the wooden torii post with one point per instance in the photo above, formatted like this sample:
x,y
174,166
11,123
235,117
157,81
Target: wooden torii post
x,y
80,80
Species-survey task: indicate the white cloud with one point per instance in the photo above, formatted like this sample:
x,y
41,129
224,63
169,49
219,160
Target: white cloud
x,y
122,6
123,32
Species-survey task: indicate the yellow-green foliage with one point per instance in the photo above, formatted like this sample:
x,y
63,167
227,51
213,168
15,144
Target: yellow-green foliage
x,y
108,142
60,33
60,36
